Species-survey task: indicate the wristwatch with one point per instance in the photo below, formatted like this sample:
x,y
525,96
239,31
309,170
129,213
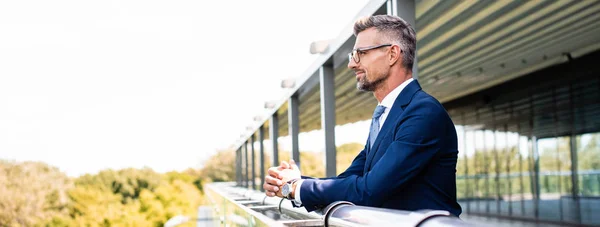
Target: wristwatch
x,y
286,189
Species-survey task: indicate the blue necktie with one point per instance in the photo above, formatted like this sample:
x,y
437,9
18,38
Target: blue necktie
x,y
375,124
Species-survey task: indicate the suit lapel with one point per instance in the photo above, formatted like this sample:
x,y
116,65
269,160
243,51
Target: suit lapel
x,y
401,101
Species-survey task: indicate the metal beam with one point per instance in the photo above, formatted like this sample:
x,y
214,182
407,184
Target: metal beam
x,y
391,7
486,166
406,10
253,179
466,158
274,133
241,163
235,164
294,127
574,177
536,170
246,163
261,138
574,159
326,77
238,168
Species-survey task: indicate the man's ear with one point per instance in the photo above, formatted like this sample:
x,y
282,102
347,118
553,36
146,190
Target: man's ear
x,y
395,55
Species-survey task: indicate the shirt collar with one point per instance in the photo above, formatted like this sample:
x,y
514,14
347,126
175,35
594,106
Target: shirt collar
x,y
389,99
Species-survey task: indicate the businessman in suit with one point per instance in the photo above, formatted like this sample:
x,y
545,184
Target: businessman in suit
x,y
409,160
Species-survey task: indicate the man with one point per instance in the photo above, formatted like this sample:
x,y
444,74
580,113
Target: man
x,y
409,160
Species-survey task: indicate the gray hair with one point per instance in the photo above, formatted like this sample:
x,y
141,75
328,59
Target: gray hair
x,y
394,29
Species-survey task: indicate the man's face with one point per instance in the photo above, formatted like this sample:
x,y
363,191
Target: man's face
x,y
371,71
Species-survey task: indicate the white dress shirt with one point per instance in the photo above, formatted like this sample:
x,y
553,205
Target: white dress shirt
x,y
388,102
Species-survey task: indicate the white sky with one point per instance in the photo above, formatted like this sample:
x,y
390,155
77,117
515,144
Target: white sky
x,y
89,85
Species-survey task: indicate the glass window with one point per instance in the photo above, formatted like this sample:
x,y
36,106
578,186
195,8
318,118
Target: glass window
x,y
588,176
554,181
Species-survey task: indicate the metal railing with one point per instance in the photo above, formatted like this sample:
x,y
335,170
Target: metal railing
x,y
237,206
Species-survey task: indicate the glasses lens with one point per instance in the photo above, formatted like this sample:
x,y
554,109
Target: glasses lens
x,y
355,56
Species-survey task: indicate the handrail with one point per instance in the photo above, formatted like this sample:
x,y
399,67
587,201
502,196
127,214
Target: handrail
x,y
258,209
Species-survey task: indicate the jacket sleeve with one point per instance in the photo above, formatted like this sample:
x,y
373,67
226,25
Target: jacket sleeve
x,y
416,143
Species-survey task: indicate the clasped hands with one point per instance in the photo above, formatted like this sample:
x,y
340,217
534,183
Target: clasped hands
x,y
280,175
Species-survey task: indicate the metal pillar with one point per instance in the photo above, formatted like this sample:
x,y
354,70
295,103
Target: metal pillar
x,y
557,158
253,175
274,133
521,183
508,172
406,10
574,159
235,165
246,164
294,127
536,174
241,164
496,160
326,76
486,170
476,173
466,158
261,138
391,7
535,161
238,168
574,178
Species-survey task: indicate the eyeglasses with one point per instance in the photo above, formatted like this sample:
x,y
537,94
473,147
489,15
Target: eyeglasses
x,y
354,55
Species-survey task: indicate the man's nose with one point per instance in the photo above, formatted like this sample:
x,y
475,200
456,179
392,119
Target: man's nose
x,y
352,64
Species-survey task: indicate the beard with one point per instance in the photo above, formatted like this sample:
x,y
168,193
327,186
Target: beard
x,y
363,84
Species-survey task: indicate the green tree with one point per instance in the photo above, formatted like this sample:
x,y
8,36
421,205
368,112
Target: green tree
x,y
35,194
126,182
589,156
133,197
32,193
220,167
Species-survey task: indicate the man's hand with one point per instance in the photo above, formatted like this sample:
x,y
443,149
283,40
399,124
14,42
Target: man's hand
x,y
277,176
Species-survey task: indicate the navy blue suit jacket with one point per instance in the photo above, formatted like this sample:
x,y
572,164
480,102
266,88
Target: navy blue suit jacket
x,y
411,166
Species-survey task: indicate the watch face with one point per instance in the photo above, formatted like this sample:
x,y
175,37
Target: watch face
x,y
285,190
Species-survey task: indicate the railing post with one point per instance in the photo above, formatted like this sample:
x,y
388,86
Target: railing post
x,y
326,77
536,170
238,168
294,127
261,138
274,133
253,175
406,10
574,177
246,176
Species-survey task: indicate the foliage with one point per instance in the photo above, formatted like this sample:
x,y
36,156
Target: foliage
x,y
220,167
31,193
35,194
126,182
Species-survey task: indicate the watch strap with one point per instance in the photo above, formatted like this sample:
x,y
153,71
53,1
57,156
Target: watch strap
x,y
291,183
293,180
